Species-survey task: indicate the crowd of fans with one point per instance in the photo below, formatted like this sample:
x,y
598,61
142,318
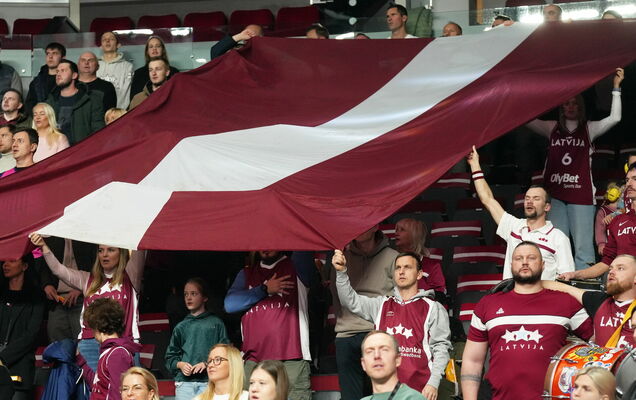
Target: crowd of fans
x,y
89,294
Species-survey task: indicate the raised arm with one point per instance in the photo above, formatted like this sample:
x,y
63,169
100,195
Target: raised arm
x,y
562,287
597,128
363,306
472,366
135,268
483,190
75,278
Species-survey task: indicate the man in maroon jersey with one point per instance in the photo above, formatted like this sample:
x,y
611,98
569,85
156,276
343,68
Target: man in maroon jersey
x,y
608,309
419,324
621,236
523,328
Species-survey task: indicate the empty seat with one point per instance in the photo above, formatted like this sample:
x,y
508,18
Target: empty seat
x,y
215,19
537,177
520,201
154,329
239,19
293,21
626,149
477,282
39,361
447,235
422,210
158,21
449,189
604,157
146,355
388,230
101,25
471,209
4,28
436,254
480,254
506,194
25,26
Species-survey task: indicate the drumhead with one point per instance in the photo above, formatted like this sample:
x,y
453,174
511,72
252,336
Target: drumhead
x,y
626,377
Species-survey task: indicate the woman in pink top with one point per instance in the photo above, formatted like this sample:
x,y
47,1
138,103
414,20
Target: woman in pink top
x,y
114,275
51,139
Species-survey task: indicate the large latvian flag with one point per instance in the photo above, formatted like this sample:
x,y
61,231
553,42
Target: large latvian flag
x,y
298,144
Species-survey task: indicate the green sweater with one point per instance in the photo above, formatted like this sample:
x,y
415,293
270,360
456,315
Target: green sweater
x,y
403,393
191,341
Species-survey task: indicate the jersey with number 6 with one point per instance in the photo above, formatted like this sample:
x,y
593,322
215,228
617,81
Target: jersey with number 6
x,y
568,168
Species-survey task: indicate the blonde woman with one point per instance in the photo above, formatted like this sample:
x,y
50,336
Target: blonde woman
x,y
113,114
139,384
225,374
51,140
594,383
114,275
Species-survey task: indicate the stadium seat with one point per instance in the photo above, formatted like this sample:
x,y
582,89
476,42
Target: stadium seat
x,y
436,254
447,235
506,194
239,19
626,149
101,25
146,355
520,201
158,21
154,329
25,26
537,177
207,26
388,230
604,157
325,387
39,362
4,28
471,209
449,189
477,282
480,254
421,210
293,21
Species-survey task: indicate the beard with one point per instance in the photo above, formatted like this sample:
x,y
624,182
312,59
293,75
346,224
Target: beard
x,y
528,279
614,288
531,214
64,85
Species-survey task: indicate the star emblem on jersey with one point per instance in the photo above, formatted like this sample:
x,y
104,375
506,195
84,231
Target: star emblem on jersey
x,y
400,330
522,334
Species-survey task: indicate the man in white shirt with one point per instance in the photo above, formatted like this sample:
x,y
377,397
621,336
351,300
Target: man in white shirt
x,y
396,17
554,245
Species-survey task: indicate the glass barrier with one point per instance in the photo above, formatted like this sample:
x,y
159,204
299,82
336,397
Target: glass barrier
x,y
16,52
178,43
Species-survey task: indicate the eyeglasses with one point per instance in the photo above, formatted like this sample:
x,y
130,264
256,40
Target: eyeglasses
x,y
133,388
215,361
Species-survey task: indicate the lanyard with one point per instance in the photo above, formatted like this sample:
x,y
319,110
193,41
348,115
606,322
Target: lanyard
x,y
395,389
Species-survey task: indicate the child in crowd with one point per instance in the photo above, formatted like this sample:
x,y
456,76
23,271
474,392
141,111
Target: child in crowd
x,y
612,206
105,317
191,339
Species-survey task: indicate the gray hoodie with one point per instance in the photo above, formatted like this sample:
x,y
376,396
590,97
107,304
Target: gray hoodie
x,y
118,72
436,342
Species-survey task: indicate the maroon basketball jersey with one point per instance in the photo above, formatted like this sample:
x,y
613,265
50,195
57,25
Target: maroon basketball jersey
x,y
621,237
523,331
272,327
607,318
406,322
568,168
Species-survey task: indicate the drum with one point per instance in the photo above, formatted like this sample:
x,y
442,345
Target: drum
x,y
626,377
572,358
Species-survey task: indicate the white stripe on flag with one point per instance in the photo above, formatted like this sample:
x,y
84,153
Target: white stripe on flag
x,y
252,159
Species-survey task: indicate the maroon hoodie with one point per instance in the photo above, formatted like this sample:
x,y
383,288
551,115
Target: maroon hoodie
x,y
115,357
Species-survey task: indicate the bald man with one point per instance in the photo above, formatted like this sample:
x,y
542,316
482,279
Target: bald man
x,y
88,66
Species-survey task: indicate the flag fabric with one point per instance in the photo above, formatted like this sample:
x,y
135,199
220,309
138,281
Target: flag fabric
x,y
297,144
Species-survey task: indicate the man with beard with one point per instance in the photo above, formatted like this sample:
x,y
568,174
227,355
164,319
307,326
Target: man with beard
x,y
522,328
78,110
273,296
553,244
158,72
609,309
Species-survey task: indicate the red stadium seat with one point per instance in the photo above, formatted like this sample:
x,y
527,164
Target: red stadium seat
x,y
477,282
4,28
456,229
39,362
388,230
215,19
154,322
436,254
239,19
146,355
480,254
101,25
25,26
537,177
325,383
466,311
158,21
293,21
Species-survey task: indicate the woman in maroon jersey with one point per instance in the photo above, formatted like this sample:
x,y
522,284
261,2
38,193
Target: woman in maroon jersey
x,y
410,236
567,175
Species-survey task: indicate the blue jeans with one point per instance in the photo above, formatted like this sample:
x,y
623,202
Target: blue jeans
x,y
577,222
188,390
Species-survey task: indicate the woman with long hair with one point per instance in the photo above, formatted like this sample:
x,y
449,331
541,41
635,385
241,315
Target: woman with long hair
x,y
410,236
225,374
155,47
594,383
139,384
567,176
115,274
51,140
269,381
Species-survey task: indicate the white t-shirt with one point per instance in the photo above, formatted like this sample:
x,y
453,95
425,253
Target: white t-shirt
x,y
554,245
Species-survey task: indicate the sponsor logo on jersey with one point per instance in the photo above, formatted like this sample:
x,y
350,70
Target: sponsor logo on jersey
x,y
563,178
405,351
628,230
500,311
